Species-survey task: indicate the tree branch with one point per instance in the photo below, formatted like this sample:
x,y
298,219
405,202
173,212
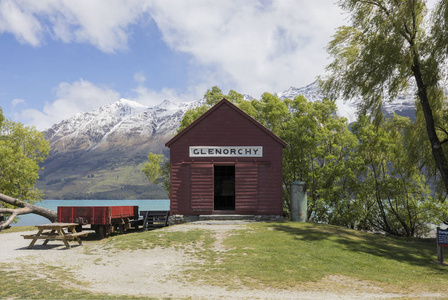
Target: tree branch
x,y
24,208
9,221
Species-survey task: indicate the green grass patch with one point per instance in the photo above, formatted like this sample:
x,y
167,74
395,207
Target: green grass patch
x,y
289,254
18,229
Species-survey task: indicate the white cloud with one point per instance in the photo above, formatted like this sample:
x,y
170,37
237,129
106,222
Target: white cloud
x,y
151,97
16,102
102,23
72,98
256,48
21,23
251,46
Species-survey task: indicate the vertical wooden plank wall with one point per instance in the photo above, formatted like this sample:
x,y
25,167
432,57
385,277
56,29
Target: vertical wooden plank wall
x,y
258,180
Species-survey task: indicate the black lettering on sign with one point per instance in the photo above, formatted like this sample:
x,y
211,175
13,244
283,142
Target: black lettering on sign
x,y
442,237
226,151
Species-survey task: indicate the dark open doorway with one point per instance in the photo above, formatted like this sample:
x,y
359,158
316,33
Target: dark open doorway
x,y
224,188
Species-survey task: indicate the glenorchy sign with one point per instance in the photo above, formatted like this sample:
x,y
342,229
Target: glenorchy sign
x,y
226,151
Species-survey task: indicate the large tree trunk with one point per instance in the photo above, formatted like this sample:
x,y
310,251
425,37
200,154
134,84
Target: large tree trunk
x,y
24,208
436,145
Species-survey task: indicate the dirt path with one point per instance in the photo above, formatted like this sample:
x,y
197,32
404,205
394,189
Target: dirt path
x,y
150,272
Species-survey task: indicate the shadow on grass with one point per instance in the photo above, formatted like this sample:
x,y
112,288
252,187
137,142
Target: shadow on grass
x,y
411,251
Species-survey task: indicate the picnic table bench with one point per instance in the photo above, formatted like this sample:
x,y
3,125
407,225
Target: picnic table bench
x,y
56,231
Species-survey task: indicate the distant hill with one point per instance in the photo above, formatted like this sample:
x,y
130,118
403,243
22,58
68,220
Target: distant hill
x,y
100,154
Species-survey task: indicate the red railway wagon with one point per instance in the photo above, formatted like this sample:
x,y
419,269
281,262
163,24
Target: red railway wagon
x,y
103,219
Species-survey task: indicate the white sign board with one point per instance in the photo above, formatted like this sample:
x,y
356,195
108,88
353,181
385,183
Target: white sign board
x,y
226,151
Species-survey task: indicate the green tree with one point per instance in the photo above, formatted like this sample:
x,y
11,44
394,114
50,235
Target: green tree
x,y
319,144
157,171
22,148
392,195
388,45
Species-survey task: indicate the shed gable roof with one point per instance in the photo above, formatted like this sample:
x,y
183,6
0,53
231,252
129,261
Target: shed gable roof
x,y
224,101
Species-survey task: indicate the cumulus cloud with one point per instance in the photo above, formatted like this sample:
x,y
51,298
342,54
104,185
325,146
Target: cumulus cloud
x,y
102,23
20,22
259,46
72,98
250,46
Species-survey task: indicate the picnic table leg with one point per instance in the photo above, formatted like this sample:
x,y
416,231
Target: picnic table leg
x,y
73,230
62,233
35,240
47,240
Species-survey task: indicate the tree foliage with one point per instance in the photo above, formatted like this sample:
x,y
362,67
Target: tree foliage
x,y
392,45
157,171
22,148
391,191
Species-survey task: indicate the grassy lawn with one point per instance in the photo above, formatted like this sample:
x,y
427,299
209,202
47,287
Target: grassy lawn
x,y
278,255
289,254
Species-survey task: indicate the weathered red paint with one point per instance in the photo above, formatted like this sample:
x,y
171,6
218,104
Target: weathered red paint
x,y
95,215
258,180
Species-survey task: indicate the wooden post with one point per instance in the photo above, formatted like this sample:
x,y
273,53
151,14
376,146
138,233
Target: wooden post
x,y
2,218
439,249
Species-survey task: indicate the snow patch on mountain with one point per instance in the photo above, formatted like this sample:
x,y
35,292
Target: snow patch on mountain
x,y
122,122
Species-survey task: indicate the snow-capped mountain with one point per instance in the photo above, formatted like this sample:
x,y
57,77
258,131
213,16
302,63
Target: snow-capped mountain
x,y
124,123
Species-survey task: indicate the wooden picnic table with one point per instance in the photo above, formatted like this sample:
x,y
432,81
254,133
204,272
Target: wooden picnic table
x,y
56,231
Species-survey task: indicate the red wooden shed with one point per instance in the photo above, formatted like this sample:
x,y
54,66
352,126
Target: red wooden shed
x,y
226,162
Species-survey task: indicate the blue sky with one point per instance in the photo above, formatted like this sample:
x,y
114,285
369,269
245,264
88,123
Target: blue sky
x,y
61,57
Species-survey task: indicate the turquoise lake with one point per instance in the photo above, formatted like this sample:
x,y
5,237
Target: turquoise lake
x,y
32,219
